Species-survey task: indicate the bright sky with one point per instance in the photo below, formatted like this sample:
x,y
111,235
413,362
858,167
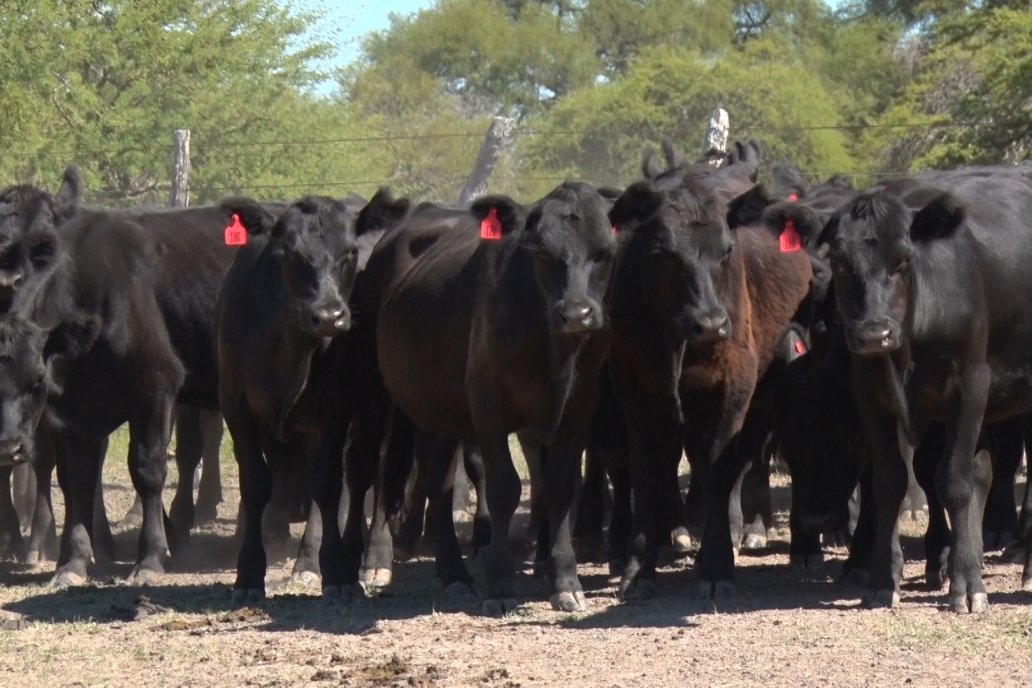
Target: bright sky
x,y
346,22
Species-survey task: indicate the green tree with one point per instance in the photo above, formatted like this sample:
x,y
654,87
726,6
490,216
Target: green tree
x,y
104,85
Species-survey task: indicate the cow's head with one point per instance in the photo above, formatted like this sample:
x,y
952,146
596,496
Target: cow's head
x,y
23,388
681,240
316,239
32,362
571,240
872,241
29,245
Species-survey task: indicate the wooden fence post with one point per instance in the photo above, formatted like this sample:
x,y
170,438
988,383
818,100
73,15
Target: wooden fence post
x,y
499,136
716,136
179,196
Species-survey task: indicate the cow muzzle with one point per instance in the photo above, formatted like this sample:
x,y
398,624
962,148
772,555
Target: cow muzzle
x,y
577,317
13,453
871,338
328,322
710,328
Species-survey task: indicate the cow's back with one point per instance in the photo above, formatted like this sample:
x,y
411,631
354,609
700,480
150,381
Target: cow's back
x,y
422,286
193,262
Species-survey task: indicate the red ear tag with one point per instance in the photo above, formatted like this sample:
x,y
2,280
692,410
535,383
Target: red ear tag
x,y
491,226
792,198
616,231
236,235
788,240
800,347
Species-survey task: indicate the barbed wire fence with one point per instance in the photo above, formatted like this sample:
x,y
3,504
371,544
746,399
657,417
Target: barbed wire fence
x,y
178,186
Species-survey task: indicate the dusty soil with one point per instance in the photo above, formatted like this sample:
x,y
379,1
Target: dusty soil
x,y
780,631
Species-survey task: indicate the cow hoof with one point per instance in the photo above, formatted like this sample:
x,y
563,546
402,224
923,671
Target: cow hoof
x,y
376,578
995,541
681,540
67,579
567,601
304,579
854,577
616,567
204,515
806,563
716,590
342,593
498,607
754,541
246,597
144,577
934,578
638,590
459,589
979,602
31,557
881,599
1026,583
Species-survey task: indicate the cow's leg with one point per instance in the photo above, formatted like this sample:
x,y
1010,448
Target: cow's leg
x,y
620,519
306,565
889,475
255,493
103,539
338,559
79,460
413,525
1001,512
149,435
561,482
654,452
538,530
11,544
857,567
503,496
209,491
757,512
188,457
533,456
361,466
43,542
437,458
591,506
937,537
715,563
961,478
474,465
23,481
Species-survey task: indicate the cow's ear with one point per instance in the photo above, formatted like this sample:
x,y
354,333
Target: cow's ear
x,y
256,220
498,216
635,206
69,196
382,212
748,207
938,219
73,337
41,248
803,219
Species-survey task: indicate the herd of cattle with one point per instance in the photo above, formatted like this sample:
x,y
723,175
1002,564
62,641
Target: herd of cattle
x,y
860,335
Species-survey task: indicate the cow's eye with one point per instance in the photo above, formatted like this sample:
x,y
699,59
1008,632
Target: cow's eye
x,y
602,257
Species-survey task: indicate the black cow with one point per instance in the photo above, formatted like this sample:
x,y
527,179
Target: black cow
x,y
490,321
282,352
699,300
134,292
930,282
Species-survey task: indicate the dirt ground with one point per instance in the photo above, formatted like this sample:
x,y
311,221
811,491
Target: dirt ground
x,y
781,630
